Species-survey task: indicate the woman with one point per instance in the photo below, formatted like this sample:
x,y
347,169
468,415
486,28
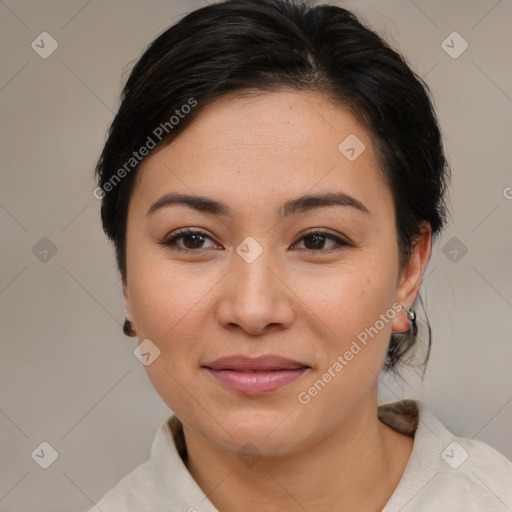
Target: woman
x,y
273,182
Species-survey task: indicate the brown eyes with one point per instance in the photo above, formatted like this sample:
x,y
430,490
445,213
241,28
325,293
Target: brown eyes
x,y
193,240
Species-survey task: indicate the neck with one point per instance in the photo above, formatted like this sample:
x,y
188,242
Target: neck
x,y
357,467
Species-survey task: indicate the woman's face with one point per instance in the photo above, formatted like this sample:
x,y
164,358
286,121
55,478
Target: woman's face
x,y
256,281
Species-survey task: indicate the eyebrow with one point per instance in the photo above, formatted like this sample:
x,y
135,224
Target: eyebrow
x,y
290,207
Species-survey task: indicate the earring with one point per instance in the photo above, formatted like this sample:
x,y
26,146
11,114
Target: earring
x,y
127,328
411,315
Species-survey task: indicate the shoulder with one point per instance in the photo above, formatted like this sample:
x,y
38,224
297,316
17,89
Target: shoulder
x,y
473,476
128,492
142,488
162,482
478,472
450,471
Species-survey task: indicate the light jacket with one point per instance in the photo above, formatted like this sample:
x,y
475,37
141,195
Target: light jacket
x,y
445,473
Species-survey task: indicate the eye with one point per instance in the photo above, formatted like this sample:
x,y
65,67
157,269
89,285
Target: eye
x,y
192,239
314,241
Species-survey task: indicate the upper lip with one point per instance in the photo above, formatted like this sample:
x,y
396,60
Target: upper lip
x,y
261,363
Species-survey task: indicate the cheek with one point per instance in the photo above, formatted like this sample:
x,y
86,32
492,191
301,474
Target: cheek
x,y
354,345
167,302
354,336
348,299
351,310
165,297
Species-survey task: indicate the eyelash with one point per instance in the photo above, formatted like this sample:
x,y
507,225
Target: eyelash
x,y
170,242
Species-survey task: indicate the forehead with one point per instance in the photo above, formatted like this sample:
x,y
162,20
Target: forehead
x,y
253,149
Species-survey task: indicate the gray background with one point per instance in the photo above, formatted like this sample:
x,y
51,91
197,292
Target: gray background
x,y
68,376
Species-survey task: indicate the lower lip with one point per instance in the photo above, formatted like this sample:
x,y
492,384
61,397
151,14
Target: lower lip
x,y
257,383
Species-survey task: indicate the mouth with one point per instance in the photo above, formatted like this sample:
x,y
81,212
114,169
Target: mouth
x,y
255,376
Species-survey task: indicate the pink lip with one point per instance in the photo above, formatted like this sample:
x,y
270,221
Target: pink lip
x,y
255,376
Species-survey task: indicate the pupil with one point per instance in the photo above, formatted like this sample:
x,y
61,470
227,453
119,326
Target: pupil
x,y
196,244
318,241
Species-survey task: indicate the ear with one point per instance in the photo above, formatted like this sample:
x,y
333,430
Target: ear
x,y
411,276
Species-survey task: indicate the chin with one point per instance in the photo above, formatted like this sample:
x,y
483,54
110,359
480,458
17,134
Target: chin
x,y
269,432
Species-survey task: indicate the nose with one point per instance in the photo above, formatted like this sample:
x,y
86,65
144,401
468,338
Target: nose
x,y
255,297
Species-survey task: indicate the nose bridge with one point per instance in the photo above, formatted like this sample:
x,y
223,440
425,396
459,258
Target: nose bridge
x,y
256,295
255,277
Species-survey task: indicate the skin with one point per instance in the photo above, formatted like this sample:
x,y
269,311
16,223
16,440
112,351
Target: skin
x,y
253,154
